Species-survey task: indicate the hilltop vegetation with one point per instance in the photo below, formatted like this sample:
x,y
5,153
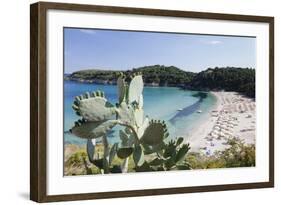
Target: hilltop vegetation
x,y
156,75
229,79
163,75
93,74
226,78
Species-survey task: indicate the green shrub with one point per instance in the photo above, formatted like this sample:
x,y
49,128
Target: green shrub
x,y
237,154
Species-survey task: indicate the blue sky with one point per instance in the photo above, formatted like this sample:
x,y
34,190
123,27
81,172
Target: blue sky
x,y
122,50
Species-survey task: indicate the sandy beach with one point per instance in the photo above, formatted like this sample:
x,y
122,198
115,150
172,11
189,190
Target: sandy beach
x,y
233,116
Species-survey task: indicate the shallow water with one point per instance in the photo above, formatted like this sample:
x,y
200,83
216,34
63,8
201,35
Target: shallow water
x,y
176,106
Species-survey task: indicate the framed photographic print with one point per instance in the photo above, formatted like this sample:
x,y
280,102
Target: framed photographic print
x,y
134,102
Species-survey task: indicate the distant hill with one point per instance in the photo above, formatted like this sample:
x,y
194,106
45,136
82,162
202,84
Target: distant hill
x,y
229,79
94,76
155,75
165,75
226,78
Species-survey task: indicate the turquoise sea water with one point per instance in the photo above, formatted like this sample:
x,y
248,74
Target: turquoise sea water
x,y
159,103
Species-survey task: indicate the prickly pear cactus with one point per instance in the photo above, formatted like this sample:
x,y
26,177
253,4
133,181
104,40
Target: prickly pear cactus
x,y
140,136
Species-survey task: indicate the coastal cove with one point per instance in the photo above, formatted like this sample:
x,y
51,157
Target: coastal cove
x,y
213,112
183,110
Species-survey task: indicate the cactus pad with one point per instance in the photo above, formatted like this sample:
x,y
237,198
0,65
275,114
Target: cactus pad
x,y
138,155
154,133
122,88
141,101
93,107
139,115
85,129
91,144
124,152
112,153
135,88
143,127
182,153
